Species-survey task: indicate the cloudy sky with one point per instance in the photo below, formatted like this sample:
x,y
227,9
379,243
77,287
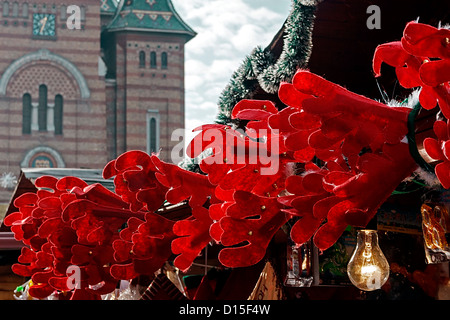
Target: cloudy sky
x,y
227,31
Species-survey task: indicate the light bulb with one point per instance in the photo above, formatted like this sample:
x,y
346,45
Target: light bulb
x,y
368,268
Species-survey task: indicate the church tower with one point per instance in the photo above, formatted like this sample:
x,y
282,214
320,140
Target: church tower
x,y
52,98
143,47
83,81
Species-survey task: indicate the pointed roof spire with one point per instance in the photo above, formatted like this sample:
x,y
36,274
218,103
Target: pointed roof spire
x,y
149,16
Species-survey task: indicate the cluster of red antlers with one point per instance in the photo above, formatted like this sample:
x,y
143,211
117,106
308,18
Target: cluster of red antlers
x,y
329,159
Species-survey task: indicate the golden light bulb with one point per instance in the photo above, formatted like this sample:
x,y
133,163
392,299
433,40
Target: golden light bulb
x,y
368,268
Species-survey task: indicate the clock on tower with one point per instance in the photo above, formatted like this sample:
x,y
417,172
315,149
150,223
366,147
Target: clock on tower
x,y
44,25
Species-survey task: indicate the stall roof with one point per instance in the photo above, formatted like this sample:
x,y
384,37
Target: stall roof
x,y
90,176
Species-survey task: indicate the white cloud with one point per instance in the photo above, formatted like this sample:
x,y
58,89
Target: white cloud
x,y
227,31
243,40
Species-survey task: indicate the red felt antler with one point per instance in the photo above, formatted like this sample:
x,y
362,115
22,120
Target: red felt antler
x,y
421,59
193,237
329,159
182,184
250,221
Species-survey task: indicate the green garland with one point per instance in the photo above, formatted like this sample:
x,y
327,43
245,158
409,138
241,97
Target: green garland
x,y
263,70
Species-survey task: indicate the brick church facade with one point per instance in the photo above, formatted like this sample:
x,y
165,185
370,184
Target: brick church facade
x,y
77,98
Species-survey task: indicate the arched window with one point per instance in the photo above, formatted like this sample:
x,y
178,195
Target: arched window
x,y
164,60
26,113
141,59
58,114
153,60
43,157
83,13
15,9
153,135
42,108
25,10
5,9
63,12
152,131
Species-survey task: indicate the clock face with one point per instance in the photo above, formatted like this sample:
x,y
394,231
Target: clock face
x,y
44,25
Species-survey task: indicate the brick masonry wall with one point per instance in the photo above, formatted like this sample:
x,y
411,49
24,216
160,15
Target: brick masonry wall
x,y
83,143
150,89
114,118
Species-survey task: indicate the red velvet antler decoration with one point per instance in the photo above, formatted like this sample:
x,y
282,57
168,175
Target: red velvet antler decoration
x,y
329,159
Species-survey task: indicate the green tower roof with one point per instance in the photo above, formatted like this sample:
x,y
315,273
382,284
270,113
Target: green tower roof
x,y
149,16
108,6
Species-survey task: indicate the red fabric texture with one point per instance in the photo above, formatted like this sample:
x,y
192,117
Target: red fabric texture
x,y
422,59
329,158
